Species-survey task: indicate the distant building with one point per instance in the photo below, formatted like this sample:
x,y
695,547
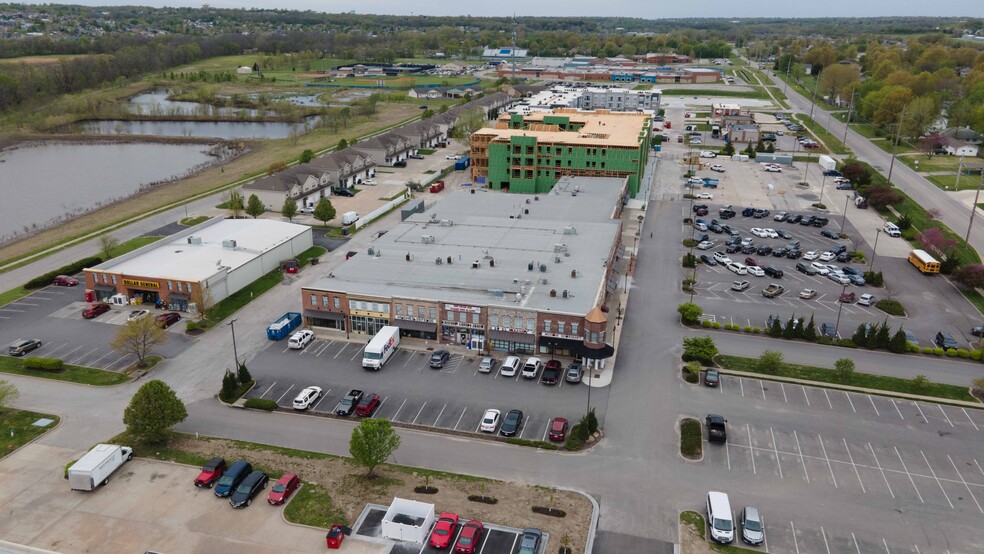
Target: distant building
x,y
244,70
504,52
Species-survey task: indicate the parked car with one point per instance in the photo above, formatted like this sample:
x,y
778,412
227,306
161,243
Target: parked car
x,y
487,365
300,339
510,366
752,528
439,358
945,340
806,268
342,191
575,372
829,234
531,368
551,372
717,430
827,256
807,294
764,250
65,281
755,271
282,489
839,278
23,346
711,377
211,472
490,421
751,261
166,320
444,530
811,255
747,212
739,285
94,310
784,234
848,297
469,538
821,268
529,542
781,216
137,314
346,406
722,258
910,337
717,167
511,423
773,271
249,488
705,245
707,260
866,300
558,429
367,405
306,398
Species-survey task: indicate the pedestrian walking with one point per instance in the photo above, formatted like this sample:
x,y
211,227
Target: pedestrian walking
x,y
650,234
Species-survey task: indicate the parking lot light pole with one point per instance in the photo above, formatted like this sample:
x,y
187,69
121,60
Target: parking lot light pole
x,y
839,306
235,353
847,200
874,250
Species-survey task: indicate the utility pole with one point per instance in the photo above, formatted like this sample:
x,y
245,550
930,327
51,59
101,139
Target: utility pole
x,y
977,195
785,84
895,145
850,108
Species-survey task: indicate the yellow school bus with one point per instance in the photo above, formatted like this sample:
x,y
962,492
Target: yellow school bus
x,y
924,262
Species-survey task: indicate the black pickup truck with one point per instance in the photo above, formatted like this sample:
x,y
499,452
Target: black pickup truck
x,y
347,404
716,429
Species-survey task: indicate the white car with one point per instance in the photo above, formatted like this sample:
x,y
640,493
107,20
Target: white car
x,y
827,256
771,233
717,167
810,256
307,398
490,421
707,154
834,268
705,245
755,271
773,169
306,210
867,300
739,285
486,365
451,157
747,241
738,269
696,140
705,196
821,269
700,226
759,232
839,278
300,339
137,314
531,368
369,182
722,258
807,294
781,216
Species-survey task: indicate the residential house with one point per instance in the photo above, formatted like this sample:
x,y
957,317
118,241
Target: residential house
x,y
308,183
388,148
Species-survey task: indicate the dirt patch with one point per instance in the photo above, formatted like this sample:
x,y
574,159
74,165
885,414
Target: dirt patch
x,y
692,541
514,508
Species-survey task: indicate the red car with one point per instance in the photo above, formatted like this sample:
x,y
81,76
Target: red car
x,y
211,471
166,320
366,406
446,525
470,536
94,310
558,429
283,489
65,281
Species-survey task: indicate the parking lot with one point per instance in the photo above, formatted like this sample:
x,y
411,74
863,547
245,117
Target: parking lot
x,y
865,450
53,315
453,398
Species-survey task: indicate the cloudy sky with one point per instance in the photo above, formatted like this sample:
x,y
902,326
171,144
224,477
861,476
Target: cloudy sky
x,y
649,9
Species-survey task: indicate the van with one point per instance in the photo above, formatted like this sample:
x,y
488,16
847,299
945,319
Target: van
x,y
349,218
232,478
510,366
720,518
892,229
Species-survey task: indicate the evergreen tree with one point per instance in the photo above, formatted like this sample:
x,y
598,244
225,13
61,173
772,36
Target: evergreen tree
x,y
810,331
776,329
254,206
860,336
898,343
883,338
153,412
243,374
789,333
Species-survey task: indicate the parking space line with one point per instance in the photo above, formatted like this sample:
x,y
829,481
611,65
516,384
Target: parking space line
x,y
775,448
784,399
897,409
873,406
966,486
802,460
459,418
824,535
344,346
357,352
69,353
858,548
546,429
805,395
284,394
418,412
885,544
524,425
851,457
99,359
944,415
937,479
906,470
795,542
398,410
727,452
439,415
323,396
751,449
877,463
851,402
83,356
828,399
409,357
742,385
762,384
916,404
268,389
964,410
830,467
978,466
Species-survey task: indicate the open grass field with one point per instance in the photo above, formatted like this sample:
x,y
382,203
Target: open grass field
x,y
41,60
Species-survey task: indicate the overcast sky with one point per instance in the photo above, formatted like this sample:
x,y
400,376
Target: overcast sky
x,y
649,9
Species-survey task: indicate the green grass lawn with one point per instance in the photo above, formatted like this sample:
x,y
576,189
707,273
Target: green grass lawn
x,y
691,440
192,221
240,298
866,380
757,94
926,164
71,373
949,182
832,142
696,521
18,429
921,221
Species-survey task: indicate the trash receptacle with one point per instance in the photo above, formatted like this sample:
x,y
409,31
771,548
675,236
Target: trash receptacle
x,y
334,537
344,231
314,261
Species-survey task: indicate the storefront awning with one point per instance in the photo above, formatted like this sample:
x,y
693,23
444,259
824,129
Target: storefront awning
x,y
426,326
334,316
555,342
510,336
602,353
106,288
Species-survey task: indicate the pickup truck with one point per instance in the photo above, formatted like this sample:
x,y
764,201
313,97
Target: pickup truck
x,y
347,404
773,291
717,431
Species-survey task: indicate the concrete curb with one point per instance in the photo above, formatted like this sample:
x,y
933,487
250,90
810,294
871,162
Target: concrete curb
x,y
850,388
595,517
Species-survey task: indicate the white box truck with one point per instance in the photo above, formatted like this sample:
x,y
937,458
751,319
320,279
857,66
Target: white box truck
x,y
827,163
94,468
381,347
349,218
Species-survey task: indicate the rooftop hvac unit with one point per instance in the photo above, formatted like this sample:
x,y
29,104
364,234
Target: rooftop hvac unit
x,y
476,264
433,217
565,293
427,239
573,274
527,200
438,261
556,259
574,192
498,293
194,239
570,230
529,266
536,198
228,243
371,251
409,257
560,247
447,223
526,211
518,297
449,260
553,293
379,252
543,281
543,268
492,262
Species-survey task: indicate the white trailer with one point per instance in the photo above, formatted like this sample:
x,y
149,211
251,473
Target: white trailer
x,y
381,347
94,468
827,163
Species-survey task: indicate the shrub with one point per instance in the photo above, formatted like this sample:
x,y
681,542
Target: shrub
x,y
591,420
874,278
70,269
757,330
717,324
693,367
938,351
191,326
706,324
824,339
747,329
975,355
891,307
46,364
927,349
261,404
701,349
963,353
845,369
846,343
691,440
951,353
689,243
770,361
689,260
920,382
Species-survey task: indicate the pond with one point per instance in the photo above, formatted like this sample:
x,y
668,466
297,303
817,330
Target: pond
x,y
155,102
48,182
211,129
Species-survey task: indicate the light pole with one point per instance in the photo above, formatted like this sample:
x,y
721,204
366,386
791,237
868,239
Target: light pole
x,y
847,199
839,306
823,182
895,145
973,209
590,371
874,250
235,353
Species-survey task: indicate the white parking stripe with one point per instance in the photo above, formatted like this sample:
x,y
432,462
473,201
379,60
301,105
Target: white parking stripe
x,y
877,463
970,419
805,395
897,408
727,453
742,385
851,402
828,399
284,394
268,389
916,404
802,460
357,352
439,415
418,412
344,346
855,542
83,356
546,429
944,415
751,449
885,544
937,479
775,447
459,418
911,480
762,384
525,423
851,457
398,410
824,535
795,542
965,483
978,466
873,405
323,396
829,466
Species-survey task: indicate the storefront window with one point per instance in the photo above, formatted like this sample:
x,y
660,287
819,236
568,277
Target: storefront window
x,y
170,285
433,313
324,301
560,327
546,326
450,316
494,320
462,317
314,300
507,321
475,319
338,302
399,309
530,324
519,322
574,329
420,311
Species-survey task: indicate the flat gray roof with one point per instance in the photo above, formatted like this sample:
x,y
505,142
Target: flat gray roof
x,y
563,232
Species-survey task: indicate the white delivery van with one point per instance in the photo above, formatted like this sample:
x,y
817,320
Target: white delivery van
x,y
94,468
381,347
892,229
349,218
720,518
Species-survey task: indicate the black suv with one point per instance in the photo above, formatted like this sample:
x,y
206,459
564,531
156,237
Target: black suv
x,y
794,219
748,212
342,191
726,214
772,271
251,485
945,341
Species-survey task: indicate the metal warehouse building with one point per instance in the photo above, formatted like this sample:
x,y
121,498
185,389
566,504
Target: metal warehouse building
x,y
486,270
220,255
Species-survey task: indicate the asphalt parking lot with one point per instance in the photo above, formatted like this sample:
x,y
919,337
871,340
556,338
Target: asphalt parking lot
x,y
916,457
453,398
53,315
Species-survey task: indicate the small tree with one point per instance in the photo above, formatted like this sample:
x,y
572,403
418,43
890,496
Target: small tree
x,y
883,337
107,243
242,374
592,421
153,412
289,209
324,211
920,382
689,312
810,331
306,156
898,343
255,207
138,337
235,202
729,149
770,361
372,442
204,301
904,222
970,276
701,349
860,336
230,385
342,145
978,385
775,330
8,393
789,332
845,369
276,167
